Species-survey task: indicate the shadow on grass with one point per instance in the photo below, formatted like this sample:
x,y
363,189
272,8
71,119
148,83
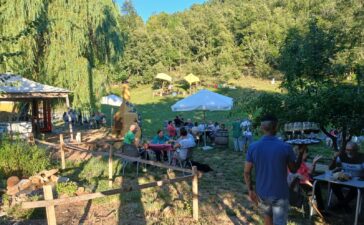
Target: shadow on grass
x,y
131,210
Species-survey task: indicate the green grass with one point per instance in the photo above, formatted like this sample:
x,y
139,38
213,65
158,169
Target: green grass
x,y
223,195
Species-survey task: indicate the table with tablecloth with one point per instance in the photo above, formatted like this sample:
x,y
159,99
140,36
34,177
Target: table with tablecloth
x,y
165,148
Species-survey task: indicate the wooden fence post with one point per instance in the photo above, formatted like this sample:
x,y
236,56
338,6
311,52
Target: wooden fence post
x,y
195,192
51,213
61,144
110,166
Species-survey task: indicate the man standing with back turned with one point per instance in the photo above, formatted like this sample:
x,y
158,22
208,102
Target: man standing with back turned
x,y
270,157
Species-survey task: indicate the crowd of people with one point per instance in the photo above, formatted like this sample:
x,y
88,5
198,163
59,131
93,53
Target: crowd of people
x,y
275,163
278,167
180,146
197,130
75,117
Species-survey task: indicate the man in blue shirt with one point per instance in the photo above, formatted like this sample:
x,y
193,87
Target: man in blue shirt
x,y
160,138
270,157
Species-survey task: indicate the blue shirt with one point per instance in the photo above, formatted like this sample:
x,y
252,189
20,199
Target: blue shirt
x,y
270,157
160,140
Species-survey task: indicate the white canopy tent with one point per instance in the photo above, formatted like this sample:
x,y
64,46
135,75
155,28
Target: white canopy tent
x,y
204,100
113,100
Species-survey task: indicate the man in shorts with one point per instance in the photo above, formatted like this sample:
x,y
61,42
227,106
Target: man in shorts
x,y
270,157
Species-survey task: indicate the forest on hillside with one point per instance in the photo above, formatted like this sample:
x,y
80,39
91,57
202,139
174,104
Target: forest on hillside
x,y
85,45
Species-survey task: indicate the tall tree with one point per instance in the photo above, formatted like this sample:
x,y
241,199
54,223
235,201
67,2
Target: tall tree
x,y
75,44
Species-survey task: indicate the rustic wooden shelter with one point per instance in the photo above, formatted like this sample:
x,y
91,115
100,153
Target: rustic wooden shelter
x,y
19,89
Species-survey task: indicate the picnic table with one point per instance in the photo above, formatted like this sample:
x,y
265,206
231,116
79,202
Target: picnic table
x,y
168,148
354,182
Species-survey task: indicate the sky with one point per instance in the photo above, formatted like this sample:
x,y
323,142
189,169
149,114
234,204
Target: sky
x,y
146,8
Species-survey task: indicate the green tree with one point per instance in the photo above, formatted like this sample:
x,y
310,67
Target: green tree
x,y
74,44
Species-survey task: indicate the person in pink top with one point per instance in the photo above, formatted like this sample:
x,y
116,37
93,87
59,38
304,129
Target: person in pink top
x,y
305,173
171,130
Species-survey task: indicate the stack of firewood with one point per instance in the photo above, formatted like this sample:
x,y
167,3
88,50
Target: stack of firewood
x,y
16,185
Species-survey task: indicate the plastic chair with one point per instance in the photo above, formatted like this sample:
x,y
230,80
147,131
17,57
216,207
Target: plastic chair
x,y
132,151
187,161
301,199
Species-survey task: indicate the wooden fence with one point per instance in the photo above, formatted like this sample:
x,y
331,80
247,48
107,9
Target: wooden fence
x,y
49,202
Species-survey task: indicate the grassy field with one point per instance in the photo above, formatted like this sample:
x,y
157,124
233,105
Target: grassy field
x,y
223,193
223,198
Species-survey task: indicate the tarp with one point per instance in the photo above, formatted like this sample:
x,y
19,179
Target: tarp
x,y
113,100
163,76
190,78
204,100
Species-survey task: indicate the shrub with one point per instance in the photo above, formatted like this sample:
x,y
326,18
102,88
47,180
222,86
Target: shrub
x,y
17,212
18,158
66,188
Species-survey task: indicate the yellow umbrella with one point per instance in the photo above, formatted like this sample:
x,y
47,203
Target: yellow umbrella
x,y
190,78
163,76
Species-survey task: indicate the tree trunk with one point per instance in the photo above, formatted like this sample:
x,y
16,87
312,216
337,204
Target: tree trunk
x,y
333,138
345,139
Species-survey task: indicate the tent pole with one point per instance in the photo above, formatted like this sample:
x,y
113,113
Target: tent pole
x,y
204,118
111,117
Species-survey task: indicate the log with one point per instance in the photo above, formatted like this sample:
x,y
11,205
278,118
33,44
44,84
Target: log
x,y
48,173
66,201
12,181
24,184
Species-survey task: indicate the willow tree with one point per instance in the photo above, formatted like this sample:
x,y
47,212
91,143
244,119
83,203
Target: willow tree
x,y
21,26
75,44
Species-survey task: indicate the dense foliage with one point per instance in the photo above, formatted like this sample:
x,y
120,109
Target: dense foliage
x,y
231,38
73,44
20,159
316,47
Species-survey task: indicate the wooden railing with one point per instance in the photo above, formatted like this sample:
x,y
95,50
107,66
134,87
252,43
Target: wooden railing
x,y
49,202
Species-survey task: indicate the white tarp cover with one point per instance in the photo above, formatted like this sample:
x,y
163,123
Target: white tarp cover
x,y
204,100
12,84
113,100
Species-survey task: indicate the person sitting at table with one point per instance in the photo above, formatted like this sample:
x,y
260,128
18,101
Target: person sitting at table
x,y
350,161
188,124
130,147
217,126
305,175
171,130
182,146
178,122
194,129
160,138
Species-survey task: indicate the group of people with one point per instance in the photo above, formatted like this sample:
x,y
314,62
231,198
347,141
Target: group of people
x,y
181,145
273,160
242,134
196,129
75,117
